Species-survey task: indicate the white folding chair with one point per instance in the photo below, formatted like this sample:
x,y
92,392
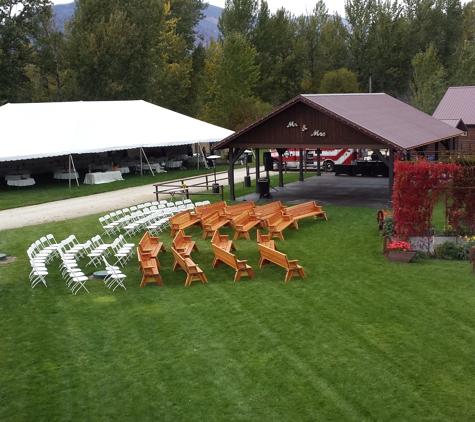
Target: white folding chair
x,y
75,279
38,273
114,277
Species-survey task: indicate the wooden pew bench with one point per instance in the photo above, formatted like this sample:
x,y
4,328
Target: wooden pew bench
x,y
193,272
182,220
183,244
222,241
265,239
151,244
269,255
263,212
232,211
308,209
213,222
203,210
149,267
225,257
278,222
243,223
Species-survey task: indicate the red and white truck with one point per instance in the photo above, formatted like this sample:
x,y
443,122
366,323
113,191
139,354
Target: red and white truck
x,y
328,157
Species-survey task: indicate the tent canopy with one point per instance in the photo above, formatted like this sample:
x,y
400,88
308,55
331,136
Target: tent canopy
x,y
38,130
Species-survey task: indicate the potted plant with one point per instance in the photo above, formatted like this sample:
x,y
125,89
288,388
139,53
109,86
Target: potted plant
x,y
400,251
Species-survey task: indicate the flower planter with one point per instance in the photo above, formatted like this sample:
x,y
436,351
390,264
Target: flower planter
x,y
401,256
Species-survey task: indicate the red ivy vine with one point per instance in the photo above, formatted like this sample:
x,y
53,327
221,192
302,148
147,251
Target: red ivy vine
x,y
460,201
417,188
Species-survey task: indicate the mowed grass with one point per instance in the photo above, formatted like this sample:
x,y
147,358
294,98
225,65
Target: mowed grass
x,y
361,339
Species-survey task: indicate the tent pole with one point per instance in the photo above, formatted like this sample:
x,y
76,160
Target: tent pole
x,y
149,166
71,163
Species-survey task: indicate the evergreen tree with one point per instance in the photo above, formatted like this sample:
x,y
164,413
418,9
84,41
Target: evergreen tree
x,y
277,49
464,66
20,24
310,41
48,74
112,48
238,16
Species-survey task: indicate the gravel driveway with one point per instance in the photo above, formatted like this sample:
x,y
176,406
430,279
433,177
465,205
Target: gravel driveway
x,y
86,205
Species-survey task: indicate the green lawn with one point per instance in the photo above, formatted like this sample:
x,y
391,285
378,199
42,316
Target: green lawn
x,y
361,339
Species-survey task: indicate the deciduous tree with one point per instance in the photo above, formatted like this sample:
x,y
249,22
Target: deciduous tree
x,y
429,81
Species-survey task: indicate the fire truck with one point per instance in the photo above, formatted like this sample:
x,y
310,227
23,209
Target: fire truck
x,y
328,158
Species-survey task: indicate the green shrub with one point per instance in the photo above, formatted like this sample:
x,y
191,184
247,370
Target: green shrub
x,y
388,226
451,251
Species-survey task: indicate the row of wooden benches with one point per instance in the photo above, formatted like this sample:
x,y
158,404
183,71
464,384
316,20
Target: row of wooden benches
x,y
244,216
182,246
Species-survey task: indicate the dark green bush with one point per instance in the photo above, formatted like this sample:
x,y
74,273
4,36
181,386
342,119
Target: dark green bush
x,y
451,251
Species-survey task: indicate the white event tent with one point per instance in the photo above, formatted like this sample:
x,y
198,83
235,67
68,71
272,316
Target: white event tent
x,y
39,130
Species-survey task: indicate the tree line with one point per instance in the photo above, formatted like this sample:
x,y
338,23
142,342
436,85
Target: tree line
x,y
148,49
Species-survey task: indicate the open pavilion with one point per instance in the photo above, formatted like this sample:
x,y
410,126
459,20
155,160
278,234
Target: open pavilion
x,y
360,121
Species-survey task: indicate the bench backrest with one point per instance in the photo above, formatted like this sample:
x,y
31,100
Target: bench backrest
x,y
303,208
204,210
181,261
219,238
242,218
234,210
275,219
227,257
179,239
180,217
211,218
147,239
269,208
261,238
274,256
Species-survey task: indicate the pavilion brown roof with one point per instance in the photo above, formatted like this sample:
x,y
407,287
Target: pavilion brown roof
x,y
457,103
380,117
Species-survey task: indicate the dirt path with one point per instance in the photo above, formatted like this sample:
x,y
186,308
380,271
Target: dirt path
x,y
86,205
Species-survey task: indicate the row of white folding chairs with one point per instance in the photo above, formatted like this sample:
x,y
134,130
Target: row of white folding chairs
x,y
43,249
119,248
143,219
200,203
114,277
73,276
113,221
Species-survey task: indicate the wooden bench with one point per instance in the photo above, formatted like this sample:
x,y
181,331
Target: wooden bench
x,y
203,210
265,239
213,222
263,212
151,245
182,220
269,255
232,211
307,209
278,222
149,267
222,241
243,223
225,257
193,272
183,244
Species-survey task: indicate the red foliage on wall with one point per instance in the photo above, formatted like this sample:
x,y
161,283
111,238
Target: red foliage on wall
x,y
417,188
460,202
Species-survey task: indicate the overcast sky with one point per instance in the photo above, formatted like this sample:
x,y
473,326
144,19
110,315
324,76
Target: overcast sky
x,y
297,7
